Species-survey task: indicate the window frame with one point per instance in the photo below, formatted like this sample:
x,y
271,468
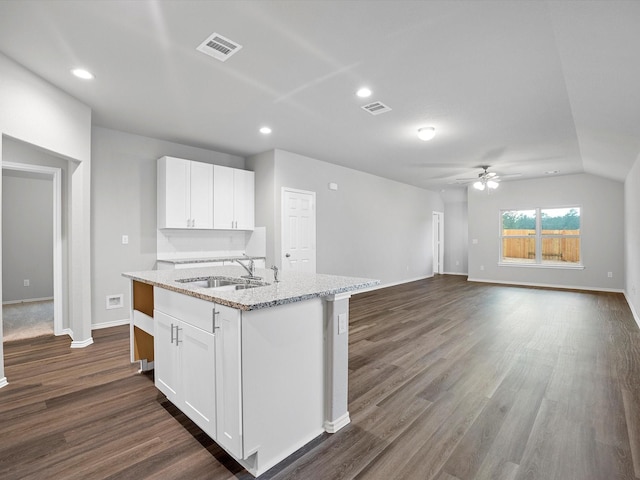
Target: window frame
x,y
538,262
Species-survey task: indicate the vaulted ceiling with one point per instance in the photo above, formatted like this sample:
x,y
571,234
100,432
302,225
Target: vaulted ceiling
x,y
526,87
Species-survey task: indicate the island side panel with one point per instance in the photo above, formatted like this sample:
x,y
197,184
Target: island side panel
x,y
282,381
336,362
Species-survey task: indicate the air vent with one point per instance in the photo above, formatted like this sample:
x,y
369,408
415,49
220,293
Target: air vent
x,y
219,47
376,108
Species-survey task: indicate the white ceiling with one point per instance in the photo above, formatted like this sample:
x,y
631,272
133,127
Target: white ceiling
x,y
523,86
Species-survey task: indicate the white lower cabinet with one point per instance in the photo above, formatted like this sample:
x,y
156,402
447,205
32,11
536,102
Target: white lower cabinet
x,y
253,381
185,370
198,364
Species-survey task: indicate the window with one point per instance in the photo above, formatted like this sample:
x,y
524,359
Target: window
x,y
540,236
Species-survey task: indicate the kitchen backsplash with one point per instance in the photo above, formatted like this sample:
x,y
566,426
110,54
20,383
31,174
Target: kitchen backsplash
x,y
173,244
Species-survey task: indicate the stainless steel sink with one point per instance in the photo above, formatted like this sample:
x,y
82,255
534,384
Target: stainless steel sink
x,y
225,283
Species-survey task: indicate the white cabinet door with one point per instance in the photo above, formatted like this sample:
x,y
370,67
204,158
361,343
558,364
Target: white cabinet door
x,y
244,199
228,379
165,355
185,194
223,198
197,376
201,198
233,199
174,202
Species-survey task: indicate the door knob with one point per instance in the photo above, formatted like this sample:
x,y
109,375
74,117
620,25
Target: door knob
x,y
287,255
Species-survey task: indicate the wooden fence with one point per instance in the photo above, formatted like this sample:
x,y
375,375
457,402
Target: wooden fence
x,y
523,246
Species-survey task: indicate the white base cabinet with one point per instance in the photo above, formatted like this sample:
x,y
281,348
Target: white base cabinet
x,y
185,372
253,381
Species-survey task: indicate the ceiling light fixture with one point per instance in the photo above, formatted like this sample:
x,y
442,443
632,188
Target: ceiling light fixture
x,y
364,92
426,133
265,130
485,183
83,74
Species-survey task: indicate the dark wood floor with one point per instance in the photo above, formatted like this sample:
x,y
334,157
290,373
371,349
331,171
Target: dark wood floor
x,y
449,380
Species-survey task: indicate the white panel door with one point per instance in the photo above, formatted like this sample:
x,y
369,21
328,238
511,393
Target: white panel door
x,y
438,242
298,230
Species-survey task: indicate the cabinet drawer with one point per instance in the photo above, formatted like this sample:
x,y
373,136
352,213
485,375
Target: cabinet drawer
x,y
191,310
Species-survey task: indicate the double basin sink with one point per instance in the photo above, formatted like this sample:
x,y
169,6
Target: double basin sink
x,y
223,283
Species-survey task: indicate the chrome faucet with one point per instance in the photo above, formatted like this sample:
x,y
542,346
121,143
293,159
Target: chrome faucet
x,y
250,269
275,274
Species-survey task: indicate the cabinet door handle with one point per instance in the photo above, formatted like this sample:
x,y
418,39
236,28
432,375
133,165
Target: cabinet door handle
x,y
177,330
172,333
214,327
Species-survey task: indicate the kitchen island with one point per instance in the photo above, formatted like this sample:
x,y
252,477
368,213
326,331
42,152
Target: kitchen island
x,y
261,366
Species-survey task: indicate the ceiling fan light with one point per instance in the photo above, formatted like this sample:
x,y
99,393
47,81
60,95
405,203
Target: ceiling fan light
x,y
426,133
492,184
478,185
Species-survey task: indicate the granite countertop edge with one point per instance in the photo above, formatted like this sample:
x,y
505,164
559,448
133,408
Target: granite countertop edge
x,y
294,286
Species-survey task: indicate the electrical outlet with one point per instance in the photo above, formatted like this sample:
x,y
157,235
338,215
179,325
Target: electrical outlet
x,y
481,267
125,239
26,283
610,274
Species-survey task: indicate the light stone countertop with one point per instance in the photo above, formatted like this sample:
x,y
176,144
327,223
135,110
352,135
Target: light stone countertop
x,y
293,286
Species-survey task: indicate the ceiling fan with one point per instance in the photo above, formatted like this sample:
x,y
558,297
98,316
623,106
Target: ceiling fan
x,y
485,180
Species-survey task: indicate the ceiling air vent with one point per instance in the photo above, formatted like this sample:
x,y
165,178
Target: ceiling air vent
x,y
376,108
219,47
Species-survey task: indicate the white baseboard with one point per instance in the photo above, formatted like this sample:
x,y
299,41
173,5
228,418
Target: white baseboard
x,y
334,426
456,273
82,344
3,382
546,285
633,310
27,300
112,323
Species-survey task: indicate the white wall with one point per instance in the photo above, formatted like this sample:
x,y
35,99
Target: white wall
x,y
124,203
632,238
35,112
602,230
456,238
27,236
370,227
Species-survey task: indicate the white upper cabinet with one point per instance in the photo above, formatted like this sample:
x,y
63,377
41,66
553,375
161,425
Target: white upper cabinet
x,y
233,199
185,194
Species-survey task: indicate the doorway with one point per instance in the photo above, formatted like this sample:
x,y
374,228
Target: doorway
x,y
54,175
438,242
298,230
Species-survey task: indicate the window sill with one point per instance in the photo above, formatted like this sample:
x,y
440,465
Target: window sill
x,y
542,265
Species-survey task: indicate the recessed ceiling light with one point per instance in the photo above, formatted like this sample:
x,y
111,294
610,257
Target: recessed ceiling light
x,y
426,133
364,92
265,130
82,73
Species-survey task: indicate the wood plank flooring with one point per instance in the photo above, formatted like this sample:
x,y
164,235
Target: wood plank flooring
x,y
449,380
